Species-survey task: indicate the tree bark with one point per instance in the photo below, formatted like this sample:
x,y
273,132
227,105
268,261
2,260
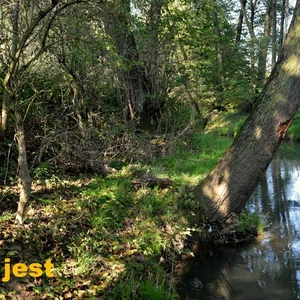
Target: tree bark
x,y
240,23
24,174
264,45
230,184
132,77
153,41
220,77
284,21
274,32
4,114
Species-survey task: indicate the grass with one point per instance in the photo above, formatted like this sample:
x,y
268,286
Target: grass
x,y
248,222
227,124
195,159
106,239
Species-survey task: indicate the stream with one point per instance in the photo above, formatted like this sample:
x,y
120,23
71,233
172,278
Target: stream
x,y
269,268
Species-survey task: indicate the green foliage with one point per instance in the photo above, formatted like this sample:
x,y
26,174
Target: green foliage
x,y
294,130
250,222
177,115
43,171
6,216
149,291
153,287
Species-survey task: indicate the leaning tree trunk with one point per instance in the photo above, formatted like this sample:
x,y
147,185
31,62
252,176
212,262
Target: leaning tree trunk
x,y
230,184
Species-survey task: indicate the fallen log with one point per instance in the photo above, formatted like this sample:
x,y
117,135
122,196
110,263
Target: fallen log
x,y
151,181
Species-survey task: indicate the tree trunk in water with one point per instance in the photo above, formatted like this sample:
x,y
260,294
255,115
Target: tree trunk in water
x,y
230,184
24,174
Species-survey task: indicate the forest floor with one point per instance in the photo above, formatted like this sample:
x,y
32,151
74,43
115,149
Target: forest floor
x,y
106,238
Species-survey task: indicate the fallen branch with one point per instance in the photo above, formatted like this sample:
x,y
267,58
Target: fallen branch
x,y
151,181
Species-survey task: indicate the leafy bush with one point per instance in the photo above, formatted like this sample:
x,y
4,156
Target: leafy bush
x,y
249,222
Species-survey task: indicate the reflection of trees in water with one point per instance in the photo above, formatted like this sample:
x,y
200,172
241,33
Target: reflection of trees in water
x,y
271,263
207,279
273,259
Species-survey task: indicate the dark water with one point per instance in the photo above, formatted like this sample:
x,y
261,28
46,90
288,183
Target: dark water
x,y
270,267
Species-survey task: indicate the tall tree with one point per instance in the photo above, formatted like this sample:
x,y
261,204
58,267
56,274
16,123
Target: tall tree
x,y
133,83
274,32
264,45
29,25
284,20
230,184
240,22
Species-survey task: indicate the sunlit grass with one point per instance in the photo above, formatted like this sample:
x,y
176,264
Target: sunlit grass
x,y
226,124
193,161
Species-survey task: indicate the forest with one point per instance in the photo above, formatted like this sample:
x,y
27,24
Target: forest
x,y
114,117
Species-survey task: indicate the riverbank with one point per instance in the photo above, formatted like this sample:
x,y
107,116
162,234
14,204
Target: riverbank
x,y
110,239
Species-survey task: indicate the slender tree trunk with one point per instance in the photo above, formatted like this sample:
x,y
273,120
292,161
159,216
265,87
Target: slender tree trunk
x,y
153,28
253,42
274,32
230,184
240,23
24,174
220,53
264,45
4,113
284,21
10,86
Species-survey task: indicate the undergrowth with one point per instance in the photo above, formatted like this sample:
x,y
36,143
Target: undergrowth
x,y
106,239
249,222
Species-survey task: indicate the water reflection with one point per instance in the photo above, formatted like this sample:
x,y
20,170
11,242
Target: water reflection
x,y
269,268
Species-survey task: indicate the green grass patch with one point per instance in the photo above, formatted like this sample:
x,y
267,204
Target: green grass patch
x,y
248,222
194,159
227,124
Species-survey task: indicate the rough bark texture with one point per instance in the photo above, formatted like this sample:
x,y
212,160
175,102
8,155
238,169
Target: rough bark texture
x,y
4,114
284,21
240,23
230,184
24,174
